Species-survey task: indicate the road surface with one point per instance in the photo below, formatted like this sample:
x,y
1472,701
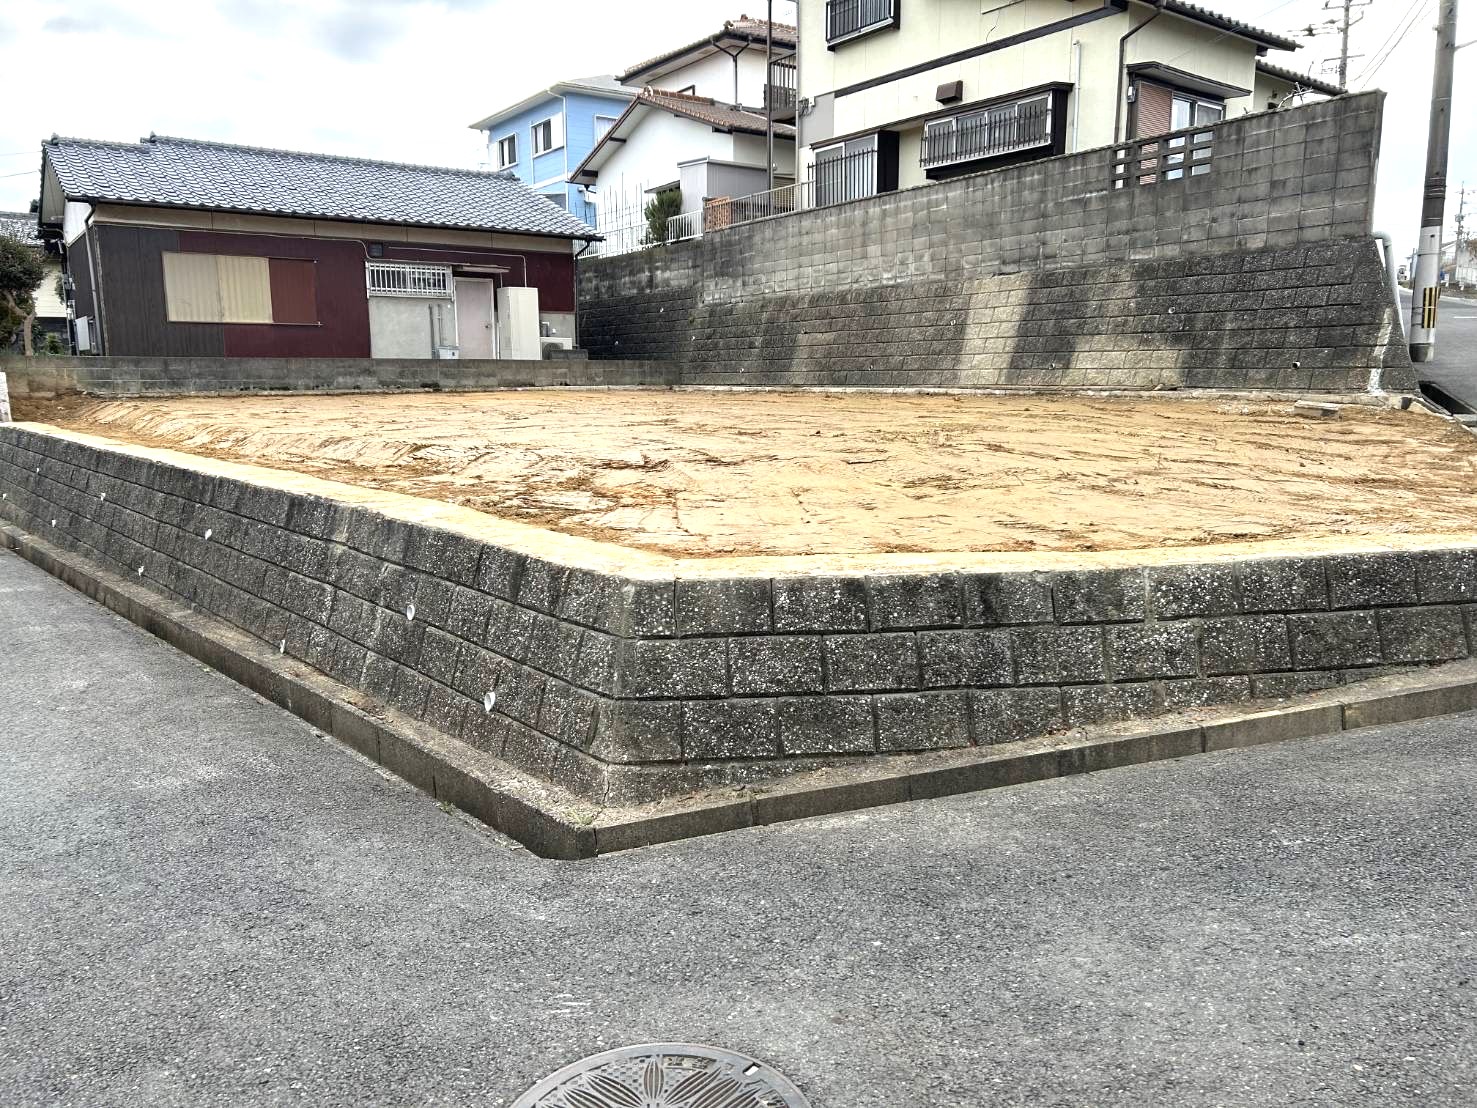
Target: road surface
x,y
203,902
1454,368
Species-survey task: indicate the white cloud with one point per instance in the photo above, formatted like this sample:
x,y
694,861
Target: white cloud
x,y
401,79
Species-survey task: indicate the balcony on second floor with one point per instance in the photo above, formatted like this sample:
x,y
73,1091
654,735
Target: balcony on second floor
x,y
779,90
989,133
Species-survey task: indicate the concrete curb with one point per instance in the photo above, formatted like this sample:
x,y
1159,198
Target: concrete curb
x,y
555,824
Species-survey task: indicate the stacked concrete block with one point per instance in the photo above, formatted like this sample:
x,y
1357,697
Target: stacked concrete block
x,y
627,689
145,376
1258,273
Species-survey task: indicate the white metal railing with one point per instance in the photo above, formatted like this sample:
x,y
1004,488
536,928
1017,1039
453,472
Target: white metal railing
x,y
627,230
408,279
688,225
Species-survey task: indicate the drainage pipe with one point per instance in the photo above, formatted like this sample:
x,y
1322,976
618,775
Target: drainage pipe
x,y
1389,246
1376,370
1118,121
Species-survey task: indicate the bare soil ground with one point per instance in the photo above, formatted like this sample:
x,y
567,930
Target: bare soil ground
x,y
721,474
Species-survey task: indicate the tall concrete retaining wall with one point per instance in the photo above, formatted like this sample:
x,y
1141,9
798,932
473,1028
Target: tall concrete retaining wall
x,y
623,677
1259,272
148,376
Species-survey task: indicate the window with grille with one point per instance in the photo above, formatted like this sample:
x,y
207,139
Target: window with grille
x,y
989,132
848,18
408,279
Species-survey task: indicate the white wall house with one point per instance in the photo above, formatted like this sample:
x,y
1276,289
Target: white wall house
x,y
909,91
699,127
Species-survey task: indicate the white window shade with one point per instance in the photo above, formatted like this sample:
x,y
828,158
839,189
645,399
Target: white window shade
x,y
556,126
192,289
245,289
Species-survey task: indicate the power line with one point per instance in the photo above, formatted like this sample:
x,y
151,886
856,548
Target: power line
x,y
22,173
1383,55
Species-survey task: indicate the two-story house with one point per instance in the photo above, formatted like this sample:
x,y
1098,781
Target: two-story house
x,y
711,120
895,93
543,138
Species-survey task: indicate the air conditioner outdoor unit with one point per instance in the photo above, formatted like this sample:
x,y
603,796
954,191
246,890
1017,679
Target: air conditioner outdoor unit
x,y
448,353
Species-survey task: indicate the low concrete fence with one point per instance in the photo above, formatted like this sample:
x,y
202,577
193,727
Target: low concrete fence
x,y
140,376
624,678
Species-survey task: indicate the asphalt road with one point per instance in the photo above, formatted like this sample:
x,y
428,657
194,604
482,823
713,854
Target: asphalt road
x,y
1454,368
203,902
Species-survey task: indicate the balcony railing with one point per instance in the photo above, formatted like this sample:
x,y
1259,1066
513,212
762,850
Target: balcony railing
x,y
779,92
988,134
845,18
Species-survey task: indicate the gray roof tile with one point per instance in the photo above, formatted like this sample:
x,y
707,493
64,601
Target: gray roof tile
x,y
187,173
20,226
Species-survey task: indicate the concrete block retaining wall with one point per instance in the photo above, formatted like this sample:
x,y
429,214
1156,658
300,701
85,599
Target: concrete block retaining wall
x,y
623,686
140,376
1260,272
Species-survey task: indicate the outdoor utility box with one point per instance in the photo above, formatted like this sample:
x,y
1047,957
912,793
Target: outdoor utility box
x,y
517,324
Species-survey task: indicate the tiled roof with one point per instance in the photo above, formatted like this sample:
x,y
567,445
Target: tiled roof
x,y
1226,23
186,173
704,109
20,226
743,27
1301,79
600,85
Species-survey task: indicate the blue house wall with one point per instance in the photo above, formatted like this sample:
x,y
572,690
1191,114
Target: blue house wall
x,y
549,172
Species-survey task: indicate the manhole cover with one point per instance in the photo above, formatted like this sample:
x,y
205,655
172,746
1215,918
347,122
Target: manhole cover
x,y
664,1075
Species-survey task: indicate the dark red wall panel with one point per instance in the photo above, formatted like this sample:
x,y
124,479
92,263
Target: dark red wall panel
x,y
318,296
294,290
342,307
551,274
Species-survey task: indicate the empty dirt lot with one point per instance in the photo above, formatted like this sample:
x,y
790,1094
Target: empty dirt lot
x,y
709,474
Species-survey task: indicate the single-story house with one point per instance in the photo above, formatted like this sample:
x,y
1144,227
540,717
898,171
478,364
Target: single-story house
x,y
50,315
184,247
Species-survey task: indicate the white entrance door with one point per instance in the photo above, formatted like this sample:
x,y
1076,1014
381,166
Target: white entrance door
x,y
476,330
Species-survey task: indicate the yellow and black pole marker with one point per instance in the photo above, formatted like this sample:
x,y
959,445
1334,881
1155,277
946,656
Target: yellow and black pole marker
x,y
1429,298
1426,281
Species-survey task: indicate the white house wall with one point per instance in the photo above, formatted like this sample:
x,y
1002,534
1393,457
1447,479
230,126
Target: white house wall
x,y
753,150
650,157
933,28
713,76
1198,49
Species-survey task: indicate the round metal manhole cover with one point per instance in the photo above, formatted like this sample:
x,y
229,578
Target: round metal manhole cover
x,y
664,1075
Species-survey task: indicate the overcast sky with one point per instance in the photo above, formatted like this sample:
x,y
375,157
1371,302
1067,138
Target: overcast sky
x,y
401,79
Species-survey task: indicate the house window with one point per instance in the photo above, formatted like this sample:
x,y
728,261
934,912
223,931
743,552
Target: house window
x,y
603,124
988,132
1192,111
544,136
227,288
846,19
507,151
408,279
846,171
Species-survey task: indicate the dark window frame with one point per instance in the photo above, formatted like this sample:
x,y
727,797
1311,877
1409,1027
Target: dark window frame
x,y
847,20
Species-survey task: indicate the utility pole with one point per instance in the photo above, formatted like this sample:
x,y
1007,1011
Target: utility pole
x,y
769,91
1425,289
1349,20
